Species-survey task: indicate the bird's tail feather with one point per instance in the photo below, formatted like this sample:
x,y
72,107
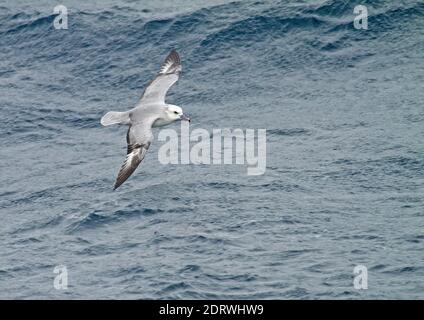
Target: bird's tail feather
x,y
114,117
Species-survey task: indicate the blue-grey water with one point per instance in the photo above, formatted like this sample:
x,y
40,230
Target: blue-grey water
x,y
344,182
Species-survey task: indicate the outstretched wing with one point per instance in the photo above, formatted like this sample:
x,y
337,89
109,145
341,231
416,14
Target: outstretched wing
x,y
131,163
138,142
156,90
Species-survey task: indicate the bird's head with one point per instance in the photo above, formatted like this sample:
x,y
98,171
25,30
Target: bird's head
x,y
175,113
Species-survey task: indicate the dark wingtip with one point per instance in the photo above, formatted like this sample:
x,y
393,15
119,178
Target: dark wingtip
x,y
174,56
116,185
171,64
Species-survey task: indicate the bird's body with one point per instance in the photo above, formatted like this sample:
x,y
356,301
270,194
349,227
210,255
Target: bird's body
x,y
151,111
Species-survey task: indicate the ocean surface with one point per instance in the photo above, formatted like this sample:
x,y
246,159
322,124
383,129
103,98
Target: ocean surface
x,y
344,181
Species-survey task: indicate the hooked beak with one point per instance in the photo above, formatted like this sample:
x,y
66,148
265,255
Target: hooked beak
x,y
184,117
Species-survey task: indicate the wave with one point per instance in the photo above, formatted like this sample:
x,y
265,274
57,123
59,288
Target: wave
x,y
216,26
243,61
96,219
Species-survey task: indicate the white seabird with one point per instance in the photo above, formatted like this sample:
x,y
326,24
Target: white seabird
x,y
151,111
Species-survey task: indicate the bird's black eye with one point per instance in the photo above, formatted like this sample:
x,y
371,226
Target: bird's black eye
x,y
175,112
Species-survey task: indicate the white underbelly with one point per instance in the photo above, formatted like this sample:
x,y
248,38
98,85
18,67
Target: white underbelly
x,y
161,123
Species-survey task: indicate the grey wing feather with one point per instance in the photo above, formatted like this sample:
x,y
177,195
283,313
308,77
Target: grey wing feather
x,y
156,90
171,64
139,138
131,163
